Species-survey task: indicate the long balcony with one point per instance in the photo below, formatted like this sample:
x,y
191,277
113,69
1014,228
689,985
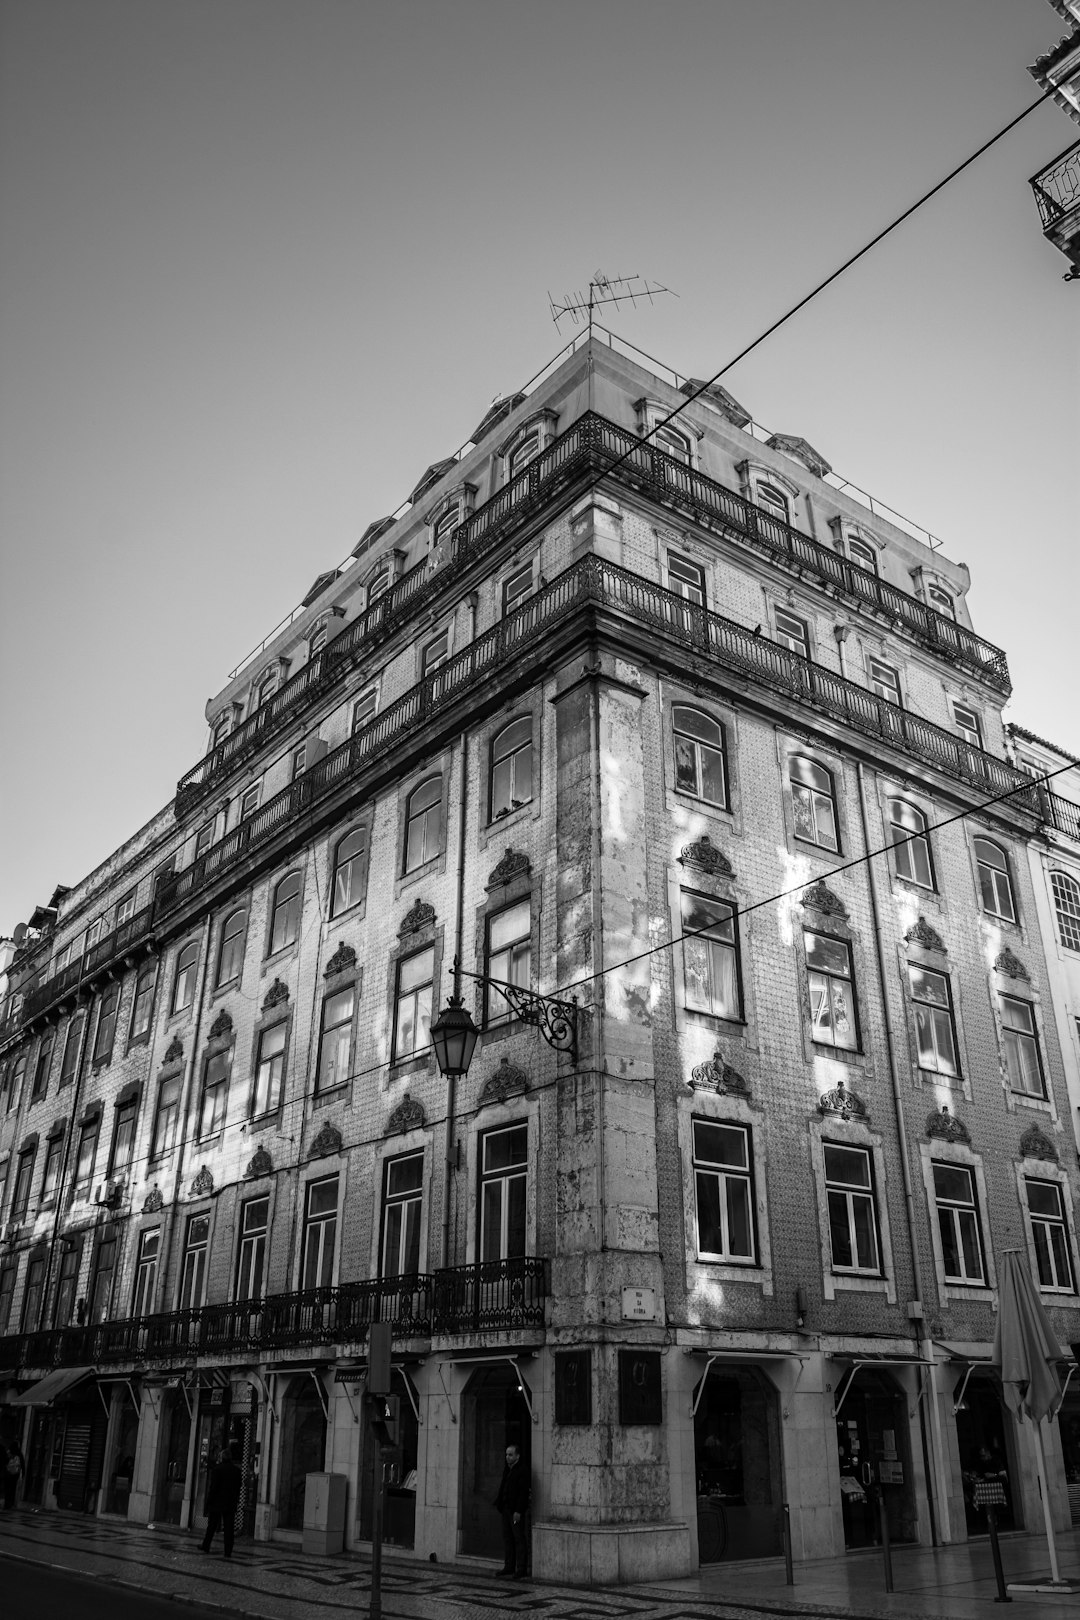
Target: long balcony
x,y
591,444
1057,192
597,583
496,1295
137,934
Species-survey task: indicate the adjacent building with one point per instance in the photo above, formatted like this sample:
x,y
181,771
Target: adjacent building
x,y
674,732
1057,184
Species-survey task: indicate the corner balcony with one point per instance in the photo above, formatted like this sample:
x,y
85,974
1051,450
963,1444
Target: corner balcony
x,y
494,1296
591,444
1057,192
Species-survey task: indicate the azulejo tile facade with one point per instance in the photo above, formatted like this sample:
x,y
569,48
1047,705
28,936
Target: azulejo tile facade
x,y
692,745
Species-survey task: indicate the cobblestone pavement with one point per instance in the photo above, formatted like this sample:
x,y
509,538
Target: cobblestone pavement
x,y
272,1582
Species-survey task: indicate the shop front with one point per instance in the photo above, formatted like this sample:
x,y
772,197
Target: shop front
x,y
123,1441
1069,1428
738,1464
873,1446
173,1454
68,1434
985,1442
225,1418
302,1443
398,1466
494,1414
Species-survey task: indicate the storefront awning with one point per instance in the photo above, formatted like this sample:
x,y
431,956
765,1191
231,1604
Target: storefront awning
x,y
52,1386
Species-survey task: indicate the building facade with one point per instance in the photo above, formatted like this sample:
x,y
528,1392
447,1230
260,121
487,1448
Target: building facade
x,y
675,727
1057,185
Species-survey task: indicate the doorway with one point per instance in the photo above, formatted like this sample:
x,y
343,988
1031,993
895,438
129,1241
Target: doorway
x,y
874,1454
399,1521
1069,1427
737,1466
495,1415
303,1448
982,1439
173,1460
121,1469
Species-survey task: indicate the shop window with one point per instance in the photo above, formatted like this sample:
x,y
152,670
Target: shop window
x,y
995,880
911,843
700,755
853,1222
412,1003
41,1067
958,1223
503,1192
403,1182
146,1266
710,946
833,1010
184,982
251,1261
1050,1232
1066,893
935,1026
350,869
215,1094
193,1262
320,1233
813,802
335,1040
423,824
269,1071
106,1024
723,1190
231,950
1023,1060
285,915
166,1118
142,1006
509,958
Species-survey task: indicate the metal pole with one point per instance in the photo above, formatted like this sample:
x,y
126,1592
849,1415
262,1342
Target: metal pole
x,y
1040,1463
886,1549
375,1611
789,1577
995,1548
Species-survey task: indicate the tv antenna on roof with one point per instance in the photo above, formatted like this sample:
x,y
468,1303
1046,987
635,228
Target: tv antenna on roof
x,y
606,290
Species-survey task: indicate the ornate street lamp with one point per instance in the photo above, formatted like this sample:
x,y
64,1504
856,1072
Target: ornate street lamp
x,y
454,1035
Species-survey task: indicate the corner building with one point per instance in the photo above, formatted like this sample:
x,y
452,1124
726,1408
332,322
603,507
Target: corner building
x,y
598,717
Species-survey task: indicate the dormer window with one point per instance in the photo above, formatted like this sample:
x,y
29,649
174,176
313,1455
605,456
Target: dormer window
x,y
318,639
673,443
221,730
941,601
677,439
380,581
526,450
773,501
862,553
528,441
445,524
266,688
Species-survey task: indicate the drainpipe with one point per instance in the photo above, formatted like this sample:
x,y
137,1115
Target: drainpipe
x,y
940,1518
459,939
170,1220
61,1185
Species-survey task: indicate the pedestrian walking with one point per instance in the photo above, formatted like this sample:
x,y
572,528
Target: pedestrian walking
x,y
515,1490
13,1471
222,1500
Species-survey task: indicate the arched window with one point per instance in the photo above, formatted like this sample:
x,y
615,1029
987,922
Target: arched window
x,y
861,552
773,501
184,982
221,730
911,846
350,858
813,800
380,582
266,688
673,443
318,639
526,450
446,523
941,601
995,884
285,918
700,766
1067,905
423,823
231,949
511,767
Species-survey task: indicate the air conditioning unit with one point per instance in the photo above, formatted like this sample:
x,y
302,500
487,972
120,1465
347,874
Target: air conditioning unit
x,y
109,1192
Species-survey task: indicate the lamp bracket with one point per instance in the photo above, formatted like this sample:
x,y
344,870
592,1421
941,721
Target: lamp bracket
x,y
556,1020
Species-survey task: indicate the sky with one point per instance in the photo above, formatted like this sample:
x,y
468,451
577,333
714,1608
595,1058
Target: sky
x,y
263,261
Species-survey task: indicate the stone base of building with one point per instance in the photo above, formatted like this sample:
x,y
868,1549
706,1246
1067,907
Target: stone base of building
x,y
610,1554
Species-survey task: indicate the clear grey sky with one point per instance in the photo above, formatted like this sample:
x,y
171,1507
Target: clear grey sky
x,y
262,262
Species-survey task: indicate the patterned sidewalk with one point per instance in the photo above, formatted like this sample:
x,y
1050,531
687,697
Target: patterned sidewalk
x,y
270,1582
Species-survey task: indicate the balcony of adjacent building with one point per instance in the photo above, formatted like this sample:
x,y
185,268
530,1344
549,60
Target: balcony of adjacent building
x,y
1057,192
593,444
120,948
492,1297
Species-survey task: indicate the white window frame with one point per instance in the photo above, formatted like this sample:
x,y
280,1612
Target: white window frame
x,y
958,1153
1043,1170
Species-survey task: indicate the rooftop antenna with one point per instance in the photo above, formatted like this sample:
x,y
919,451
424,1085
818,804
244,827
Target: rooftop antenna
x,y
606,290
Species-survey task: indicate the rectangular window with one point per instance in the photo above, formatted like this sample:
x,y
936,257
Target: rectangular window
x,y
106,1024
143,1005
1051,1234
723,1191
204,839
853,1231
509,957
123,1143
86,1154
958,1223
215,1093
249,802
42,1066
504,1175
935,1029
335,1041
67,1285
364,709
193,1263
1023,1061
5,1165
101,1279
251,1263
403,1183
18,1075
166,1118
125,909
50,1179
686,579
93,934
710,956
435,653
516,588
32,1292
7,1295
320,1234
833,1013
269,1070
792,633
299,761
61,959
412,1005
146,1265
20,1198
968,724
884,681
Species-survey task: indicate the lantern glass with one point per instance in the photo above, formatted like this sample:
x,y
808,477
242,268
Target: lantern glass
x,y
454,1037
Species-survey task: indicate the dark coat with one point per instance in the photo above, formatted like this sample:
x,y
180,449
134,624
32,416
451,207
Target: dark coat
x,y
223,1490
514,1489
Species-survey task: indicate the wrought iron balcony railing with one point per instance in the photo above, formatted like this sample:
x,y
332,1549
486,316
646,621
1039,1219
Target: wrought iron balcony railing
x,y
592,443
1063,815
498,1294
595,582
1057,187
133,935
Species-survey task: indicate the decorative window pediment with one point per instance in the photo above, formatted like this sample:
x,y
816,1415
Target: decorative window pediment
x,y
203,1184
1035,1144
513,865
407,1116
945,1127
720,400
921,933
495,414
153,1202
844,1103
704,854
1009,963
276,994
260,1164
430,478
419,915
222,1025
717,1075
326,1142
174,1052
342,961
790,444
819,897
507,1081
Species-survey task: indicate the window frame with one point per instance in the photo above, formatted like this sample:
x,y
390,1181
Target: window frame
x,y
88,1143
511,595
814,793
415,994
1037,1220
727,947
230,955
144,1283
251,1250
954,1207
361,712
694,744
122,1147
1066,908
409,1234
272,1081
186,970
73,1044
883,679
147,973
320,1222
830,976
166,1116
494,1016
523,724
517,1170
286,913
42,1064
848,1190
993,877
863,554
50,1170
972,734
356,862
795,641
22,1185
1013,1069
214,1094
905,842
105,1027
430,815
937,1014
723,1171
340,1042
194,1263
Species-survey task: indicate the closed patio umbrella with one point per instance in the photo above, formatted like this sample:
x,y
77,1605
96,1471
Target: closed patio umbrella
x,y
1026,1350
